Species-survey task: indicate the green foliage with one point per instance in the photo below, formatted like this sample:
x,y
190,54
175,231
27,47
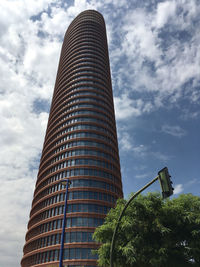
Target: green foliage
x,y
153,232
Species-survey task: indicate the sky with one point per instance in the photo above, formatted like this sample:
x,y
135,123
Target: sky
x,y
154,49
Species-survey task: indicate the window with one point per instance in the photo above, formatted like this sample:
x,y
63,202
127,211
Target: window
x,y
57,238
66,254
84,236
90,237
56,255
84,254
47,256
78,236
72,253
78,253
58,224
73,237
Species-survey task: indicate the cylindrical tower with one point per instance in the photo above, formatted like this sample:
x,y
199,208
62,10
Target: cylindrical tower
x,y
80,144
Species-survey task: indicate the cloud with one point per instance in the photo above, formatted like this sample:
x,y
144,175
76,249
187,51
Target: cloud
x,y
128,144
140,150
125,142
142,176
162,157
178,189
158,53
125,107
165,11
176,130
139,37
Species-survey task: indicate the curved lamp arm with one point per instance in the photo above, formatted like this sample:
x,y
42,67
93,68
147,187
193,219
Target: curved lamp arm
x,y
121,215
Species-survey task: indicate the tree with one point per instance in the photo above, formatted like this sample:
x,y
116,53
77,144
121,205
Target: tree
x,y
153,232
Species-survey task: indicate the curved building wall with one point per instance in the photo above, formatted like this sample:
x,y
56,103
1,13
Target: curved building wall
x,y
80,144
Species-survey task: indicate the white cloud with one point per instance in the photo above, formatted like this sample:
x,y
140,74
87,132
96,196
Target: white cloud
x,y
128,144
140,39
178,189
165,11
142,176
173,130
28,66
187,114
117,3
159,155
15,202
157,62
125,142
141,150
125,107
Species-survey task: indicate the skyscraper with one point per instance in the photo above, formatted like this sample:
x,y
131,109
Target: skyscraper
x,y
80,144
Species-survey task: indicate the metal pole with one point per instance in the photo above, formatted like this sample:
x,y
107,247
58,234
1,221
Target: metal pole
x,y
64,224
121,215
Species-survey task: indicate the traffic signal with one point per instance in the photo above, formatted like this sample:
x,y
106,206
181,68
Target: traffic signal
x,y
165,182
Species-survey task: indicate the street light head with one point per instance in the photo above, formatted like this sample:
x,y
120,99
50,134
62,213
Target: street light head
x,y
165,182
65,182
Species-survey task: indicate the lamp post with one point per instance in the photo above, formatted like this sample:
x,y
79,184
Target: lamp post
x,y
167,190
67,183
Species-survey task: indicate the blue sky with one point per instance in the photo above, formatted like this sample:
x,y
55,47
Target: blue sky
x,y
154,49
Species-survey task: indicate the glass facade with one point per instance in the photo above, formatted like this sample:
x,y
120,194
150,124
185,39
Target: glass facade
x,y
81,145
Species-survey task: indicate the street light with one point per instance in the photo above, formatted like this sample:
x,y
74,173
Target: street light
x,y
167,190
165,183
67,183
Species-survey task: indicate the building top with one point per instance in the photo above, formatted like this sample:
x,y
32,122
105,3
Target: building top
x,y
88,15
